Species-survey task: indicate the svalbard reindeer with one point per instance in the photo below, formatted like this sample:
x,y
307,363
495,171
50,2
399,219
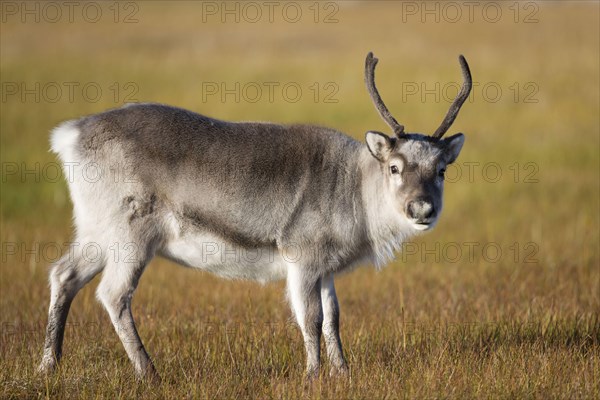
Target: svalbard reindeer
x,y
242,200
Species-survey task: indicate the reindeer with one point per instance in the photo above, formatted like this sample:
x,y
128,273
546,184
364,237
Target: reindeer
x,y
308,202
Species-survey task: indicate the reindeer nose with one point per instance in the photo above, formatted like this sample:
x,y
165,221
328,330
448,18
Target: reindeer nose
x,y
420,209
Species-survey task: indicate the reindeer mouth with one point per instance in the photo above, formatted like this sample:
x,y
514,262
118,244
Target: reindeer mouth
x,y
423,225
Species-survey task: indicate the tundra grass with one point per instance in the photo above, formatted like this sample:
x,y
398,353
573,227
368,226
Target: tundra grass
x,y
502,300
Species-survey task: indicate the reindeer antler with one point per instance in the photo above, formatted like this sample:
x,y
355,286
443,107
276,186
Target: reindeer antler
x,y
370,64
458,101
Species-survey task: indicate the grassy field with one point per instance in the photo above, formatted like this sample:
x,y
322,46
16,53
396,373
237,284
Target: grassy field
x,y
502,300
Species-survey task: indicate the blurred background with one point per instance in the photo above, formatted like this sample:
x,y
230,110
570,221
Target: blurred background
x,y
502,299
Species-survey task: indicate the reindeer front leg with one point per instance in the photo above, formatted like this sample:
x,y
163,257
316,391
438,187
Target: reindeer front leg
x,y
331,326
304,293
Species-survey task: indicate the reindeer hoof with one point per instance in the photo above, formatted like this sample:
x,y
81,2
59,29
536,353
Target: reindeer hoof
x,y
150,376
340,371
46,367
311,374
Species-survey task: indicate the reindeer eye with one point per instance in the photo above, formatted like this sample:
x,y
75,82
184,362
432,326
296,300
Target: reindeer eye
x,y
394,169
442,173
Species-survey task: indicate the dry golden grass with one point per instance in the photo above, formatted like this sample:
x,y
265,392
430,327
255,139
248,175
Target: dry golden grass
x,y
433,324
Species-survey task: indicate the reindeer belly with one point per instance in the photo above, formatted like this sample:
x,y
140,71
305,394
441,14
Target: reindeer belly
x,y
209,252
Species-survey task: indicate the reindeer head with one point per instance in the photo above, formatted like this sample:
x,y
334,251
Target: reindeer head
x,y
413,164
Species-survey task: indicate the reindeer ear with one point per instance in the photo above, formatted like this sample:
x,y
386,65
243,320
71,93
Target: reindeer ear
x,y
452,147
379,144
